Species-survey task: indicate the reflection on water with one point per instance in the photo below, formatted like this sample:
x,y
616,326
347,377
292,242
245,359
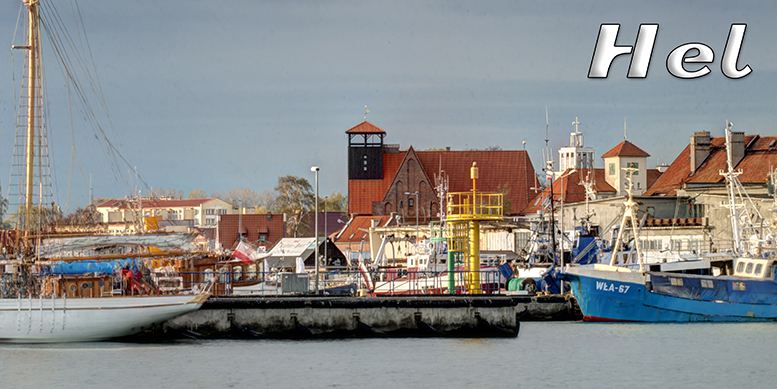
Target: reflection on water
x,y
543,355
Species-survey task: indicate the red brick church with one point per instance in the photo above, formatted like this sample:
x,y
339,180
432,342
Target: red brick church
x,y
380,176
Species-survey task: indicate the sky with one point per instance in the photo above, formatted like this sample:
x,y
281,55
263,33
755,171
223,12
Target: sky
x,y
214,95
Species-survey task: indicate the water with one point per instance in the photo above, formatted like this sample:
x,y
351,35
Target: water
x,y
554,355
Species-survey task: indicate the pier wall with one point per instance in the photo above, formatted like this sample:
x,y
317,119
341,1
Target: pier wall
x,y
328,317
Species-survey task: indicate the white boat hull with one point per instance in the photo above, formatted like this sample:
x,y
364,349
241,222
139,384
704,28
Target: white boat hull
x,y
87,319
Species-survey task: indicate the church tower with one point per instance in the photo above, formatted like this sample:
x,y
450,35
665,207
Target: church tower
x,y
365,152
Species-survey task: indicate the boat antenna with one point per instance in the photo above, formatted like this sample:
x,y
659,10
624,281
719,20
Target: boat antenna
x,y
547,154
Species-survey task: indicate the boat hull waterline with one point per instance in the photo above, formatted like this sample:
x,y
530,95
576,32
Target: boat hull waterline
x,y
58,320
612,296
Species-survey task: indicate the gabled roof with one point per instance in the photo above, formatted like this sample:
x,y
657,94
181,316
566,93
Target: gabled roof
x,y
358,229
365,127
149,203
571,189
759,157
496,168
625,149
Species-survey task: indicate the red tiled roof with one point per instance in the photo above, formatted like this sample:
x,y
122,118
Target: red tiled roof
x,y
365,127
495,168
358,229
755,165
652,177
625,149
156,203
571,189
252,224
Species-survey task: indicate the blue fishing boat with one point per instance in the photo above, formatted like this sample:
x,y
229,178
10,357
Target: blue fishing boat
x,y
740,287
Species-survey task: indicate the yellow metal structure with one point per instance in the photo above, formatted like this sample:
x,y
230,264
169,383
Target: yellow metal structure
x,y
465,212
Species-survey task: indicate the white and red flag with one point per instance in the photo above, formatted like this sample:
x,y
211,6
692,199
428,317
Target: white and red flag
x,y
245,253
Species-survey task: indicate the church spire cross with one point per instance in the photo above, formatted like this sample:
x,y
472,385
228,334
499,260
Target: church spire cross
x,y
576,123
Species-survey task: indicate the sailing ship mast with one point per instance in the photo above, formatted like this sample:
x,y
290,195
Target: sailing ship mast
x,y
33,35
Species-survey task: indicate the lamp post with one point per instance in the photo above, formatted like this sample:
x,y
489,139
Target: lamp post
x,y
326,231
416,215
315,169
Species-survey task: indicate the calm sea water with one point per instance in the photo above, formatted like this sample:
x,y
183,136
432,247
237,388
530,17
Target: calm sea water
x,y
555,355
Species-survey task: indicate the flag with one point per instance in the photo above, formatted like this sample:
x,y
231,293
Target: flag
x,y
244,253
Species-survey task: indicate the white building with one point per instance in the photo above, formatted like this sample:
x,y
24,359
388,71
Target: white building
x,y
204,212
576,155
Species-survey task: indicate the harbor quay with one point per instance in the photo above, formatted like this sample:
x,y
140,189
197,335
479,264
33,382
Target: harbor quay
x,y
285,317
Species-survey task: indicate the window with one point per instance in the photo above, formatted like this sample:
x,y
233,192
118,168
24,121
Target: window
x,y
634,165
612,169
675,281
749,268
740,267
758,269
738,286
706,284
410,202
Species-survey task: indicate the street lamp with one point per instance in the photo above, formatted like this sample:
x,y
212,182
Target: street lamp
x,y
416,216
326,231
315,169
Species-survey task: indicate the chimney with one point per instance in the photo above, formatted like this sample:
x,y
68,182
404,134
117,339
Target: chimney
x,y
447,148
700,149
737,147
375,222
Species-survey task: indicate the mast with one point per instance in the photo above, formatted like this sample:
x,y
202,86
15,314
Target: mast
x,y
32,43
731,175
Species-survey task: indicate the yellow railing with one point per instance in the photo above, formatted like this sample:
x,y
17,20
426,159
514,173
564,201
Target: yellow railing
x,y
475,206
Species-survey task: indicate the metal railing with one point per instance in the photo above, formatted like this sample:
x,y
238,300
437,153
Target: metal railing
x,y
382,282
475,206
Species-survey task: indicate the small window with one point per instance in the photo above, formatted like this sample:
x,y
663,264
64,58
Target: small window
x,y
269,217
676,281
706,284
749,268
410,202
740,267
758,268
738,286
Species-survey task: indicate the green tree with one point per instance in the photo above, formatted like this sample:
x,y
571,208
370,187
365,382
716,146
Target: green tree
x,y
294,196
335,202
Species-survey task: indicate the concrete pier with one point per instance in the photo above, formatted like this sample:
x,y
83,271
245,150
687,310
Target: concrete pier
x,y
344,317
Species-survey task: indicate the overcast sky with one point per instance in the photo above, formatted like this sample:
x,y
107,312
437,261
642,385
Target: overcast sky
x,y
215,94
